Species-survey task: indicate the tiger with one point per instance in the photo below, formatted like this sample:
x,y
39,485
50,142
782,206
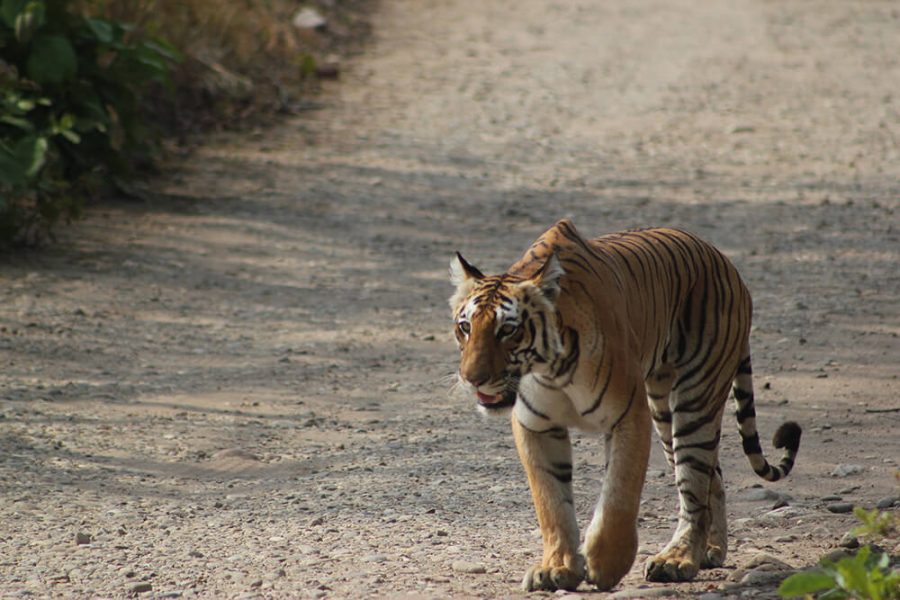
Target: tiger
x,y
606,336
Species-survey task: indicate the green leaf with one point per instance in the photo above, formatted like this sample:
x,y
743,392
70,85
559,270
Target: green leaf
x,y
804,583
19,122
31,152
10,9
52,60
29,21
102,30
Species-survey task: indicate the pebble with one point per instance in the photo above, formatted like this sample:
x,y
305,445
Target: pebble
x,y
375,558
759,495
766,562
840,507
140,588
888,502
849,541
83,538
843,470
461,566
760,577
711,596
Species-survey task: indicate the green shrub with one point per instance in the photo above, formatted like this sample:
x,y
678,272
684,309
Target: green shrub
x,y
867,575
70,111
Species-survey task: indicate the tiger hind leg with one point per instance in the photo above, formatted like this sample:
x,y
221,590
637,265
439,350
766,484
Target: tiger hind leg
x,y
696,431
717,541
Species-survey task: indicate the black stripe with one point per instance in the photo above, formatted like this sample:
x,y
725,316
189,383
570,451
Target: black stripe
x,y
745,412
750,444
596,404
692,426
531,408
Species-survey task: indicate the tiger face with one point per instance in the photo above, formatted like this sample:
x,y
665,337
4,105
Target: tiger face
x,y
506,327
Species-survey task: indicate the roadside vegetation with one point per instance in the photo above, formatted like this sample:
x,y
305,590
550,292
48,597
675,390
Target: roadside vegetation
x,y
90,91
869,573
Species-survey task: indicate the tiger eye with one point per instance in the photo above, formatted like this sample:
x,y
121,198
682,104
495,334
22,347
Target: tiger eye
x,y
465,327
507,330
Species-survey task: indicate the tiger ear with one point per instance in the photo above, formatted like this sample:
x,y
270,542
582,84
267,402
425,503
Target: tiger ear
x,y
547,277
461,271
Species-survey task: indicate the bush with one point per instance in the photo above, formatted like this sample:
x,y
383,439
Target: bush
x,y
867,575
70,108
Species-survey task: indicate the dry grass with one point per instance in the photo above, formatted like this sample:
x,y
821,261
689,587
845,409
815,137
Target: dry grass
x,y
243,57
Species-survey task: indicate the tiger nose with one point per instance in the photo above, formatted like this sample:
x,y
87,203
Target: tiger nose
x,y
479,382
476,378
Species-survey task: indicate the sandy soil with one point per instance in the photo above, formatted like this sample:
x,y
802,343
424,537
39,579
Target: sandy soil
x,y
240,388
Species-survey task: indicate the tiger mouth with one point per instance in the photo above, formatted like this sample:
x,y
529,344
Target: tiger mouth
x,y
497,401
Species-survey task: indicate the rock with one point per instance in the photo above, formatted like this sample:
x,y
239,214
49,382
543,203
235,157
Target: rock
x,y
711,596
759,495
760,577
309,18
844,470
461,566
375,558
849,541
83,538
766,562
888,502
140,588
786,538
831,498
315,521
784,512
840,507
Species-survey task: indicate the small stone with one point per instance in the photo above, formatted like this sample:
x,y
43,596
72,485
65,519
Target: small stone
x,y
315,521
888,502
840,507
843,470
309,18
711,596
759,495
849,541
83,538
461,566
140,588
759,577
831,498
442,533
785,538
375,558
766,562
195,554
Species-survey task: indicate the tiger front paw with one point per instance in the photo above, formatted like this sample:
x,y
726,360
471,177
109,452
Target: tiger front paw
x,y
672,565
550,579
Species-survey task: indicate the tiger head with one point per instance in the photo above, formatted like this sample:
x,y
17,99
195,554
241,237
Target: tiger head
x,y
506,326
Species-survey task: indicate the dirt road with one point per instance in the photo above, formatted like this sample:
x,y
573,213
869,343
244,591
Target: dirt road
x,y
240,389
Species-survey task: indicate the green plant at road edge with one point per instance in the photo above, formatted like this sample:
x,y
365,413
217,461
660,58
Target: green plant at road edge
x,y
70,108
